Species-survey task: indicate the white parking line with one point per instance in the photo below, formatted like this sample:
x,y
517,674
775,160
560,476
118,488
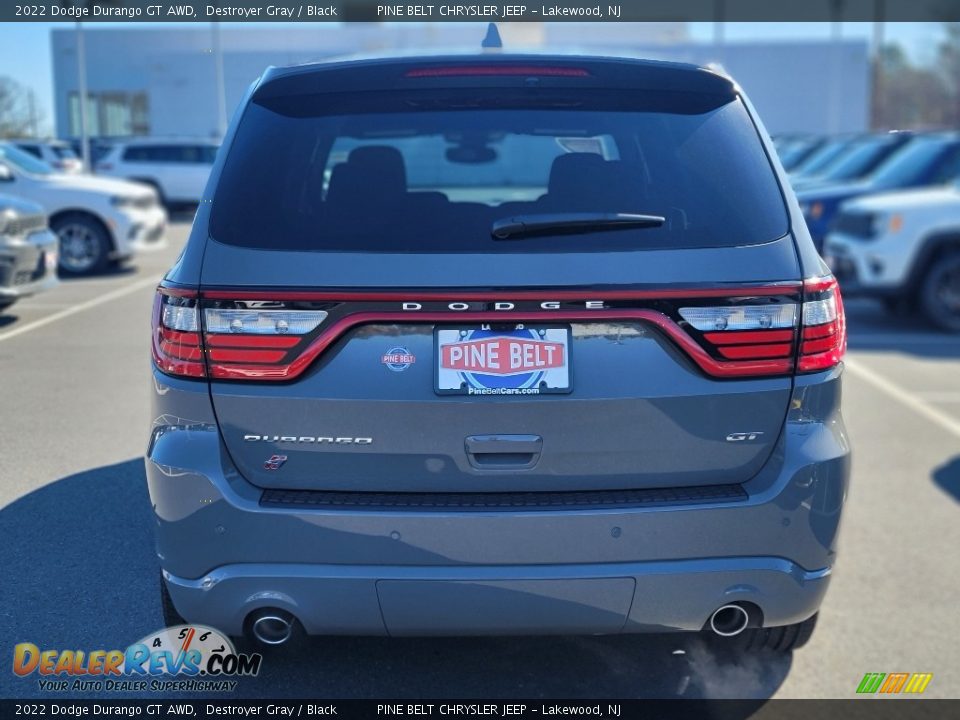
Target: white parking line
x,y
99,300
903,396
939,396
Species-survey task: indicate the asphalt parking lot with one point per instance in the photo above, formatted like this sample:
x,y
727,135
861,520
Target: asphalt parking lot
x,y
78,569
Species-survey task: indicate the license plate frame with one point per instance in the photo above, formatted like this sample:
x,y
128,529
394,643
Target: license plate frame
x,y
483,367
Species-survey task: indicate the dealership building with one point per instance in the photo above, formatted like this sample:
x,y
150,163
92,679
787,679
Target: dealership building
x,y
162,81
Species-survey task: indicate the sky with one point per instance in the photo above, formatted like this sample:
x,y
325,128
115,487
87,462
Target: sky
x,y
25,47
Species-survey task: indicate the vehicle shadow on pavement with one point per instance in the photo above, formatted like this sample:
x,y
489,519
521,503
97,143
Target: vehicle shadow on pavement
x,y
110,271
874,329
947,477
80,573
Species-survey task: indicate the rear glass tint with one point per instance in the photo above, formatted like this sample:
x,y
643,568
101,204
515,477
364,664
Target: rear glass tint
x,y
308,175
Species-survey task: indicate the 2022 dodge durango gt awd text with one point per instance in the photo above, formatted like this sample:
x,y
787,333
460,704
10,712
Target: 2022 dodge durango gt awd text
x,y
498,345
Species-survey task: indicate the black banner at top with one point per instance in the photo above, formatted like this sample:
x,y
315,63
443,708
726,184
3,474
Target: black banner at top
x,y
516,11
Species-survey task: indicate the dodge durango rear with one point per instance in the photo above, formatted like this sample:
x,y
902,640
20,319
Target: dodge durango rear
x,y
498,344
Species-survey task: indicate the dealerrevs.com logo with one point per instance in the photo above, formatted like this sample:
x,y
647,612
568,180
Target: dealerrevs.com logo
x,y
188,658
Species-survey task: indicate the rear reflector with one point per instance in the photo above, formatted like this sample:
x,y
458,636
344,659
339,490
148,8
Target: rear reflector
x,y
496,70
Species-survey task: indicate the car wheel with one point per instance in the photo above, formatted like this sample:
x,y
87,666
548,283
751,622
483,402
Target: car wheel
x,y
84,244
170,615
940,293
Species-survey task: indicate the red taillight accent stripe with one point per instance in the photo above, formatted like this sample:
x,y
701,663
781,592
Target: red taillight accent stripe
x,y
820,331
740,352
252,341
245,356
811,347
717,368
182,338
496,70
181,352
737,337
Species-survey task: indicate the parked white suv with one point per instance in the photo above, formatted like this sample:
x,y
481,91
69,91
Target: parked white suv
x,y
98,220
176,169
58,154
901,247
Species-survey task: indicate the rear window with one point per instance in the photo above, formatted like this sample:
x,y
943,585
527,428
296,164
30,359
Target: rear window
x,y
311,176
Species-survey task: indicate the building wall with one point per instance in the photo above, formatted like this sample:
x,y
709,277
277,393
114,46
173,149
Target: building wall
x,y
797,87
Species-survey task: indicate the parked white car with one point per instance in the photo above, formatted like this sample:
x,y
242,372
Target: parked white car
x,y
28,251
176,169
901,247
98,220
58,154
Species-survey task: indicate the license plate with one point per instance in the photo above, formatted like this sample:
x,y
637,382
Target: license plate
x,y
513,359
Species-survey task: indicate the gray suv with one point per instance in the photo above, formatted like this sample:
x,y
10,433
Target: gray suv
x,y
498,344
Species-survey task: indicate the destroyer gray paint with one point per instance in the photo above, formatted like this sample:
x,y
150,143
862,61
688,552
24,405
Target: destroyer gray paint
x,y
621,569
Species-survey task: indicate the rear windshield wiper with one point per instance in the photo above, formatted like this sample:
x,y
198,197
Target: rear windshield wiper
x,y
520,226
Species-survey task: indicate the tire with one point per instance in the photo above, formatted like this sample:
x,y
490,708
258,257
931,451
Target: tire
x,y
4,304
84,244
170,615
940,292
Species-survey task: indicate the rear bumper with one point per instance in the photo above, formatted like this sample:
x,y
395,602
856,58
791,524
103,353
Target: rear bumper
x,y
503,599
356,570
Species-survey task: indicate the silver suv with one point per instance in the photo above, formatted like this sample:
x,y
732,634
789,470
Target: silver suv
x,y
498,345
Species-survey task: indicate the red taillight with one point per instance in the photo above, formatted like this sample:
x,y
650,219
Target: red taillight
x,y
496,70
228,339
824,336
177,349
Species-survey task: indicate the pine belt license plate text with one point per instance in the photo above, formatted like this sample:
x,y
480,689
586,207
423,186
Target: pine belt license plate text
x,y
498,359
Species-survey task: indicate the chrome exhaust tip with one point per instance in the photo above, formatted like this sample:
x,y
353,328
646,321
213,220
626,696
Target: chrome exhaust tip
x,y
272,627
729,620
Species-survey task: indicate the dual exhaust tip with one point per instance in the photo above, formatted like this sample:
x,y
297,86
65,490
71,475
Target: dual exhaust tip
x,y
272,627
729,620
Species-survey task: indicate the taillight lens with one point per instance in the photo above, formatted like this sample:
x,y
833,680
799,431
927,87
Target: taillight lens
x,y
255,340
824,326
760,338
177,348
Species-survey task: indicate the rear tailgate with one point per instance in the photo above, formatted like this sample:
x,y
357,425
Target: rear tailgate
x,y
365,415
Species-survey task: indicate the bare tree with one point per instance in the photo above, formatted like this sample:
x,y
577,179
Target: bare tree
x,y
949,60
19,115
912,97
